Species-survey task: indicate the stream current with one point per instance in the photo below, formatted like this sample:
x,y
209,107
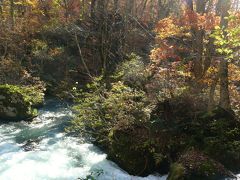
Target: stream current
x,y
42,151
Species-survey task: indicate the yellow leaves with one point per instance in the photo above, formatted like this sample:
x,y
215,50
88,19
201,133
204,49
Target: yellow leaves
x,y
56,3
211,72
32,3
18,3
229,42
167,28
185,73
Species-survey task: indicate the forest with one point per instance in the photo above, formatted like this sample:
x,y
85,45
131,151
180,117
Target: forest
x,y
119,89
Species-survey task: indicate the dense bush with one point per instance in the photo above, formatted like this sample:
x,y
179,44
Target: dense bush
x,y
102,110
132,72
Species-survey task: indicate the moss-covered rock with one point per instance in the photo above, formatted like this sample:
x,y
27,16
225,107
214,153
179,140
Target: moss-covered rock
x,y
127,149
195,165
177,172
17,103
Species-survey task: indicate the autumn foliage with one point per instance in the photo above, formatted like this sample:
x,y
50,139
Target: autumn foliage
x,y
188,51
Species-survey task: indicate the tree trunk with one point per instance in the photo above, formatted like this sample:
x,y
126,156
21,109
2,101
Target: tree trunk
x,y
130,7
197,41
115,5
1,13
66,14
211,101
190,4
223,70
224,85
102,30
11,11
92,9
81,56
201,6
1,7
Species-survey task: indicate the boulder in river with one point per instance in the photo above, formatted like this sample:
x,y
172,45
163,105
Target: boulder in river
x,y
31,145
17,103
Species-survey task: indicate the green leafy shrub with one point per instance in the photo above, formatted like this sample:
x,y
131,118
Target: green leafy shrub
x,y
101,110
39,47
132,72
116,117
32,94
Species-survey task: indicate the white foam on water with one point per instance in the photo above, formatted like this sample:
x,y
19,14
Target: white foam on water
x,y
56,156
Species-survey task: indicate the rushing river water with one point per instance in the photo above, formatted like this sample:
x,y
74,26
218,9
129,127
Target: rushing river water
x,y
42,151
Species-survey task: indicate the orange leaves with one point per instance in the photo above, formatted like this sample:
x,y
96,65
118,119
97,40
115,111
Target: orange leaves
x,y
167,27
178,26
55,52
164,52
193,20
211,21
165,59
234,73
175,40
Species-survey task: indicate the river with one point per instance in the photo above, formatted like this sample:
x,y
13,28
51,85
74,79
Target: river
x,y
42,151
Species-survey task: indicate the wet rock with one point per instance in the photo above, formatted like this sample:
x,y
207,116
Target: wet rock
x,y
31,145
130,149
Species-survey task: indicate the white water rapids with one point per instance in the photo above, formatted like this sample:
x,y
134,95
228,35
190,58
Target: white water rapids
x,y
42,151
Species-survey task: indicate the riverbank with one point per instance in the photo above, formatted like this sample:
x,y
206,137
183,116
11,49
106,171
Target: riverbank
x,y
144,137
